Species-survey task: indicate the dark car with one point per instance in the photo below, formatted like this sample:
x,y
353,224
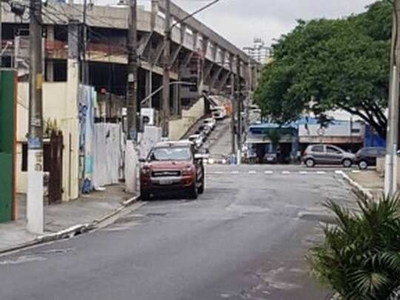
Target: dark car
x,y
172,166
270,158
204,129
367,156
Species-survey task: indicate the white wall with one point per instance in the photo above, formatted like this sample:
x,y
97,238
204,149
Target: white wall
x,y
177,128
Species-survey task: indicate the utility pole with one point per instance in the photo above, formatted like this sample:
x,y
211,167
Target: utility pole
x,y
131,155
35,218
85,67
132,72
393,122
239,112
166,66
233,135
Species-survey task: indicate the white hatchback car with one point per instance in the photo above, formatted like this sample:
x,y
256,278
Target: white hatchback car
x,y
210,122
197,139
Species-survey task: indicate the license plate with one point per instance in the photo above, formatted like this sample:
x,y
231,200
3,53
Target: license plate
x,y
166,182
270,158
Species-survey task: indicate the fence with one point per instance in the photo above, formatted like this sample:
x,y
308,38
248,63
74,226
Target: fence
x,y
108,154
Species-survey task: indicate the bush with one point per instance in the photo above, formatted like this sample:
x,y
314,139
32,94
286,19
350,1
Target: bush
x,y
360,256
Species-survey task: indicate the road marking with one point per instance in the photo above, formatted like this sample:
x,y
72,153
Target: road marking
x,y
303,172
285,172
321,172
235,172
338,172
269,172
252,172
355,171
218,172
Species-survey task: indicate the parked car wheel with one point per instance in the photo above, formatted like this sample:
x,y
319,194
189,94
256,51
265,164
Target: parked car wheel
x,y
202,186
310,163
193,191
144,196
347,163
363,165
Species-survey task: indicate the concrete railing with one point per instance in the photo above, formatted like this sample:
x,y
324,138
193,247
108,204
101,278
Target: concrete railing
x,y
177,128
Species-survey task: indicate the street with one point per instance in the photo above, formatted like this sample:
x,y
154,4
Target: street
x,y
245,238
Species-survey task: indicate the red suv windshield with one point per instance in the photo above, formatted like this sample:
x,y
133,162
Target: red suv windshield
x,y
170,153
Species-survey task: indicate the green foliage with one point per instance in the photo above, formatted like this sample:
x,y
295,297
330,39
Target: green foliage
x,y
274,135
331,64
360,257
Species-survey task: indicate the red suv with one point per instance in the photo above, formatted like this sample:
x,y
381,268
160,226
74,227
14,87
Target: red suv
x,y
172,166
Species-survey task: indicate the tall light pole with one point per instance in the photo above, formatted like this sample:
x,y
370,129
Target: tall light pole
x,y
132,72
165,107
34,213
131,175
233,100
239,111
393,122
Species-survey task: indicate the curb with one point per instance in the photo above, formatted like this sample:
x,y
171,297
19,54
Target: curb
x,y
71,231
358,189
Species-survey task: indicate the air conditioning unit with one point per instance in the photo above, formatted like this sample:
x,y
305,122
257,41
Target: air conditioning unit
x,y
148,116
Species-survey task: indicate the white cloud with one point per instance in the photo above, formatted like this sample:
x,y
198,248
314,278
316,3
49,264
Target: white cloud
x,y
241,20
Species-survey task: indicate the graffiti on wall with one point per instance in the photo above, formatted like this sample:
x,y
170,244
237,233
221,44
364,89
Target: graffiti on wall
x,y
86,104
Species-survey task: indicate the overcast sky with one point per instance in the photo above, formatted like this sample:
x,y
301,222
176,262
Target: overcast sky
x,y
241,20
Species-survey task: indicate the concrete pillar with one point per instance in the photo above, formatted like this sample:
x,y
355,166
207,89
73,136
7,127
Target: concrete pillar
x,y
149,87
175,99
178,96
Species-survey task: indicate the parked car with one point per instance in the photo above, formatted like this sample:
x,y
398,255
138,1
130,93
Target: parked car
x,y
210,122
327,155
270,158
172,166
197,139
206,129
366,157
218,112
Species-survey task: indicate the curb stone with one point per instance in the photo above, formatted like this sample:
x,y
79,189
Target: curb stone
x,y
360,191
71,231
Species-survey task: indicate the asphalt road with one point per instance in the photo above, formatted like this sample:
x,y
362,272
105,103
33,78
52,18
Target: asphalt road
x,y
245,238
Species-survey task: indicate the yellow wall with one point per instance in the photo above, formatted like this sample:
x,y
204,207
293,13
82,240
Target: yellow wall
x,y
177,128
60,104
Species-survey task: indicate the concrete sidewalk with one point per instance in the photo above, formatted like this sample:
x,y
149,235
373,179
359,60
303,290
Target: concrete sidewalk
x,y
370,182
86,210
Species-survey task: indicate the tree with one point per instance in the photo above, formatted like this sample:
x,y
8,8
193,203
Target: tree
x,y
331,64
360,257
274,135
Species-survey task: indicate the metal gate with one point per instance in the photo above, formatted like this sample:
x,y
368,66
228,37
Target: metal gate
x,y
55,178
